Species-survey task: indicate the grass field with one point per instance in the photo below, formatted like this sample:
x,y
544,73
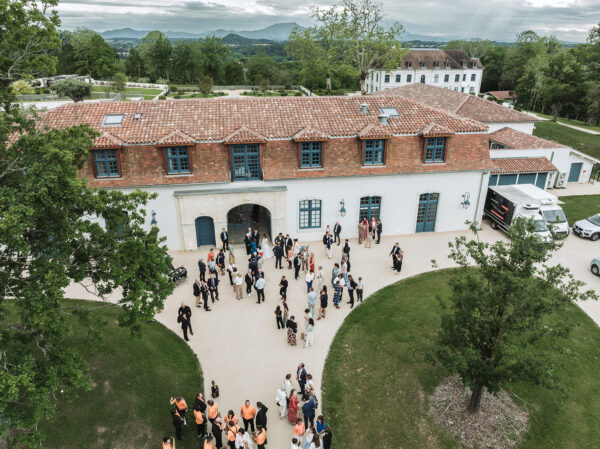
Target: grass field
x,y
140,90
132,381
580,206
579,140
377,376
570,122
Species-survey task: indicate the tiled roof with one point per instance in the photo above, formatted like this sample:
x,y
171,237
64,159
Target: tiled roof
x,y
373,131
308,133
464,105
175,137
503,94
522,141
523,165
429,57
433,129
218,119
244,135
107,140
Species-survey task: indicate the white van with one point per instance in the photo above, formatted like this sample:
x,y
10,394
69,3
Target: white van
x,y
553,214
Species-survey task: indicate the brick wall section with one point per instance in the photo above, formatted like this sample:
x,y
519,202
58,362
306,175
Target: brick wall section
x,y
144,165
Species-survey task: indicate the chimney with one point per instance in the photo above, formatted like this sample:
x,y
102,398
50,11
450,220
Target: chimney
x,y
364,108
383,119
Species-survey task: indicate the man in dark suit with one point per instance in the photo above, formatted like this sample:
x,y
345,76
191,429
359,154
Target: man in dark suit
x,y
279,240
213,287
278,252
256,237
202,268
393,253
185,310
197,286
288,241
379,230
261,415
249,280
297,265
336,232
301,377
247,243
253,265
185,324
225,239
204,293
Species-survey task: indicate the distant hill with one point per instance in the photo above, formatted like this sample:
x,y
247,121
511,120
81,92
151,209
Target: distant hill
x,y
236,39
276,32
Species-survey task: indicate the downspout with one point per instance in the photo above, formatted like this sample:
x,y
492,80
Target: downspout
x,y
478,199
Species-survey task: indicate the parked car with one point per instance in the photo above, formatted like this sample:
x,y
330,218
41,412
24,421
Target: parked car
x,y
588,228
596,266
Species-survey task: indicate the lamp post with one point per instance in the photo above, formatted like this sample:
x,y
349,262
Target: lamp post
x,y
342,209
153,222
465,203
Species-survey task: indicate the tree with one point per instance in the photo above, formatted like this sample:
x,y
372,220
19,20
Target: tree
x,y
205,85
119,82
55,231
65,54
187,62
234,72
28,35
357,37
494,62
496,310
475,48
134,64
93,56
157,52
563,82
22,87
214,57
73,88
593,102
261,67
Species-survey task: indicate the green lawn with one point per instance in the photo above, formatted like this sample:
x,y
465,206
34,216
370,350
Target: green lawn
x,y
569,121
580,206
140,90
579,140
132,381
377,376
272,93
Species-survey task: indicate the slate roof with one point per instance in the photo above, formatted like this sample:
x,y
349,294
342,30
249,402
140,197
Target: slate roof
x,y
523,165
518,140
462,104
266,118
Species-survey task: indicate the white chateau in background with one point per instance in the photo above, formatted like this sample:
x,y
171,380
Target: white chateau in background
x,y
449,69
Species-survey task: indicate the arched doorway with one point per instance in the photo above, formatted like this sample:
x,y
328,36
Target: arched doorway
x,y
205,231
245,216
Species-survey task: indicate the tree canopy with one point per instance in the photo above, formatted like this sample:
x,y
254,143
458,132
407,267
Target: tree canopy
x,y
497,309
92,55
73,88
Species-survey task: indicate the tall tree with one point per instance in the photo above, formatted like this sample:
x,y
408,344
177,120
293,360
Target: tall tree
x,y
496,310
563,82
157,52
214,57
234,72
358,37
48,239
261,68
475,48
65,54
93,55
134,64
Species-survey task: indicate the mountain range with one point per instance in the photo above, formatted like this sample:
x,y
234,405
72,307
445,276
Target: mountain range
x,y
275,32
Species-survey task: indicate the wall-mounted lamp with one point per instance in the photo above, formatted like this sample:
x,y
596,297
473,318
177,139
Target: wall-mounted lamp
x,y
153,222
465,202
342,209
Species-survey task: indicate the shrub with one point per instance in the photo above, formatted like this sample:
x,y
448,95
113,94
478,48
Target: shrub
x,y
143,79
172,88
177,96
162,97
297,94
22,87
287,86
162,81
73,88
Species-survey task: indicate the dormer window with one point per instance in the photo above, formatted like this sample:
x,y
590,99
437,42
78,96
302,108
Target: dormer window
x,y
497,146
474,65
390,111
409,65
447,64
464,64
436,64
113,120
423,64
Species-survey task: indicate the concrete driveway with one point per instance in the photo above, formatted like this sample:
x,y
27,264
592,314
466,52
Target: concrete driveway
x,y
240,348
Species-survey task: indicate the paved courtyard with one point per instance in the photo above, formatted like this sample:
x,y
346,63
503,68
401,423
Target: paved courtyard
x,y
240,348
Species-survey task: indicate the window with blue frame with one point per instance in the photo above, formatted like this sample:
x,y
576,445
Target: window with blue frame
x,y
435,149
473,77
310,154
310,214
456,78
107,165
408,78
387,78
398,78
374,152
446,78
178,160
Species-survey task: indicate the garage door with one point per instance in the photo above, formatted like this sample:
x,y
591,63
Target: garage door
x,y
575,171
205,231
526,178
507,180
541,180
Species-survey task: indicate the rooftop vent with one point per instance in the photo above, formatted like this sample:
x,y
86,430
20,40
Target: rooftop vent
x,y
364,108
383,119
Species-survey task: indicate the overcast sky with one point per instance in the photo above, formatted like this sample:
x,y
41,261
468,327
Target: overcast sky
x,y
491,19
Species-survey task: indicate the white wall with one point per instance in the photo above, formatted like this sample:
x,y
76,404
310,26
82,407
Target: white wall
x,y
376,80
399,203
525,127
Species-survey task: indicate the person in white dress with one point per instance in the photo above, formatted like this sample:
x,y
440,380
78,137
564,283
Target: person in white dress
x,y
267,250
243,440
281,400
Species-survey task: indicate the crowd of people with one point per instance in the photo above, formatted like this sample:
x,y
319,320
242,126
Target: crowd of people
x,y
298,406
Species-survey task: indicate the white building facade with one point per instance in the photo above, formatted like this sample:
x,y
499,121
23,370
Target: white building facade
x,y
448,69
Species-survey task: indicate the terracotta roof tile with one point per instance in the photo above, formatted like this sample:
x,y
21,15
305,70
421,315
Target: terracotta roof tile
x,y
430,57
107,140
218,119
522,141
244,135
464,105
175,137
433,129
523,165
372,131
308,133
503,94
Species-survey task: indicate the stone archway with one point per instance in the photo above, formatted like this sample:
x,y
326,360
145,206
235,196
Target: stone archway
x,y
244,216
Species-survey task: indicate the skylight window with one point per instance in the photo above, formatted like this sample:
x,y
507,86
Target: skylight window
x,y
113,119
390,112
137,116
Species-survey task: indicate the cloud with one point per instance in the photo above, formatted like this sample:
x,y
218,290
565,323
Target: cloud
x,y
491,19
